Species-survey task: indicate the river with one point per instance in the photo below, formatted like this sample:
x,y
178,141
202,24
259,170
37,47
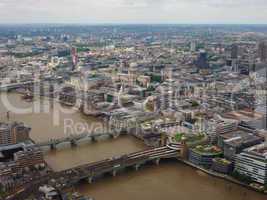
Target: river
x,y
170,180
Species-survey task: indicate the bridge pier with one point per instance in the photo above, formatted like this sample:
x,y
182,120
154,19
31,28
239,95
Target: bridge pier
x,y
53,146
114,173
73,143
90,180
111,136
93,139
157,161
136,167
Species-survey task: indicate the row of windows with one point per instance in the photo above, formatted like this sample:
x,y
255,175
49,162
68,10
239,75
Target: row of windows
x,y
250,172
252,157
243,161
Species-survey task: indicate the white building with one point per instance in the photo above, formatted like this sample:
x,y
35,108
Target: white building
x,y
253,163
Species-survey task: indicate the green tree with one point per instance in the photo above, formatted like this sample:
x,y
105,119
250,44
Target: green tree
x,y
242,177
2,193
195,104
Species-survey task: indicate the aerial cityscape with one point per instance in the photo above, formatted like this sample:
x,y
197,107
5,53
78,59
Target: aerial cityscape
x,y
130,104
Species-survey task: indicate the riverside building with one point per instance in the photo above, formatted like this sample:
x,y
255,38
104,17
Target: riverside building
x,y
253,163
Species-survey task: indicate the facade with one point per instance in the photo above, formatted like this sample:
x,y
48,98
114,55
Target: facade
x,y
90,81
13,133
234,51
19,157
222,165
252,162
20,132
30,157
5,134
202,61
204,155
225,127
262,51
234,142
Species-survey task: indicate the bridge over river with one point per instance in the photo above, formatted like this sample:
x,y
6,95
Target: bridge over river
x,y
90,172
74,139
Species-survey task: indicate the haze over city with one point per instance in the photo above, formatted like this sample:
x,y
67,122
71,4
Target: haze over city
x,y
134,11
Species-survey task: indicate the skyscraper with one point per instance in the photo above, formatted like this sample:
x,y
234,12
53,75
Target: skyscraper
x,y
234,51
262,51
74,56
265,97
202,61
193,46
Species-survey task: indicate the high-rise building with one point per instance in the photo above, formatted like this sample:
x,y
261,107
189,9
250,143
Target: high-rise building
x,y
20,132
265,112
234,57
193,46
262,51
234,51
202,61
74,56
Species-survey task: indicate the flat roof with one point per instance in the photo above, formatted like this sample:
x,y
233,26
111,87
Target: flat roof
x,y
238,137
260,150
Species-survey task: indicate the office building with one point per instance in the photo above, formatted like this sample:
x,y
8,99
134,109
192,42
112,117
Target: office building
x,y
15,158
204,155
252,162
5,134
74,56
262,51
234,142
193,46
222,165
13,133
202,60
234,51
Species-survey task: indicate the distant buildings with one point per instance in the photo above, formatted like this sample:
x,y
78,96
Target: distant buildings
x,y
74,56
234,57
202,60
262,51
252,162
234,51
193,46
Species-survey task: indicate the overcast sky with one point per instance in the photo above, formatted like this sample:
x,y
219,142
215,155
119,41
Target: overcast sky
x,y
133,11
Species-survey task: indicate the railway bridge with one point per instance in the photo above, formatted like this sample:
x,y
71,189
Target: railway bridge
x,y
90,172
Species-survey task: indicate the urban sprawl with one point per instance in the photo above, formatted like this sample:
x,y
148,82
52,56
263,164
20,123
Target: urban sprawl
x,y
193,93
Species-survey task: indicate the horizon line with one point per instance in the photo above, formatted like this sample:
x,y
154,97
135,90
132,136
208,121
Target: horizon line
x,y
125,23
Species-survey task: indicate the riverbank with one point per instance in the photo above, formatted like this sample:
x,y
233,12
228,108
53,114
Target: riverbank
x,y
221,176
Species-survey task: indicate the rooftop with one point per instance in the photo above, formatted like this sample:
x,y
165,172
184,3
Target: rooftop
x,y
208,150
239,137
259,150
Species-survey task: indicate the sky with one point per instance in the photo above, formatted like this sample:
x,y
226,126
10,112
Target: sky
x,y
134,11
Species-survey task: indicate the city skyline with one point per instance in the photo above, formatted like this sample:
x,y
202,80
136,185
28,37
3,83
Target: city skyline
x,y
134,12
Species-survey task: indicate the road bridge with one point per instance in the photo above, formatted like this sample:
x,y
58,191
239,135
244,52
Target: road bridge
x,y
74,139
